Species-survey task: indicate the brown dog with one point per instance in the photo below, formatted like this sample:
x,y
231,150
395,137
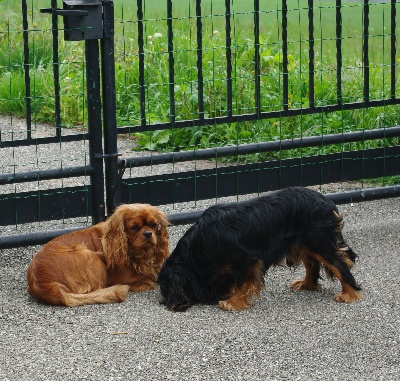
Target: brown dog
x,y
100,264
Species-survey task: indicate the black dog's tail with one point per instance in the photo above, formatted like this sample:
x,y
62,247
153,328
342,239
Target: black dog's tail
x,y
346,256
324,236
340,242
343,267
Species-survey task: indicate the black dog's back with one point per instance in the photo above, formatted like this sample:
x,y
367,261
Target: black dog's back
x,y
232,245
266,227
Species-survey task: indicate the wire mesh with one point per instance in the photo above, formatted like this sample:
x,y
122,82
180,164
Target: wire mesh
x,y
241,73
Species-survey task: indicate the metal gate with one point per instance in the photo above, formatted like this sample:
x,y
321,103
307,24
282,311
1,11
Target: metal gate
x,y
93,22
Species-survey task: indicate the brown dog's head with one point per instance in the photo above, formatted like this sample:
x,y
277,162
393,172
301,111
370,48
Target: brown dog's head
x,y
137,233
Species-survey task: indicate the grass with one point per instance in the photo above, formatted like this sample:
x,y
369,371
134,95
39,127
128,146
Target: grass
x,y
71,57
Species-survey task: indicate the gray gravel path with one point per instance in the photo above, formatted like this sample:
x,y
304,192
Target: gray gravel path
x,y
287,335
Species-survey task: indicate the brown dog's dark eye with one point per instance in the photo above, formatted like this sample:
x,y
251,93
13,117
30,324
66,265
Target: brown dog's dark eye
x,y
135,227
153,225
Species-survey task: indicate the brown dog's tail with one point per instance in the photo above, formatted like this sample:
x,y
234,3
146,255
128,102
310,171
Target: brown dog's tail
x,y
53,293
113,294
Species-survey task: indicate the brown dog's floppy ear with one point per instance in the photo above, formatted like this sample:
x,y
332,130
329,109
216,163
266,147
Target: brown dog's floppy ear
x,y
114,240
162,248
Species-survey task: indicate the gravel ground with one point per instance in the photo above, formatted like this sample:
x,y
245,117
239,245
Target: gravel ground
x,y
286,335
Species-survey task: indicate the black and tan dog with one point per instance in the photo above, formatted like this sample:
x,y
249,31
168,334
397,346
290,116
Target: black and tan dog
x,y
224,256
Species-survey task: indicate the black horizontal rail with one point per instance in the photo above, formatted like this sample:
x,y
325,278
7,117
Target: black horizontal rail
x,y
280,145
213,183
47,140
143,127
208,153
262,115
49,174
39,238
255,178
29,239
339,198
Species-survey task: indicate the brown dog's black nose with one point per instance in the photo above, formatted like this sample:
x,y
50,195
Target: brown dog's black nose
x,y
147,234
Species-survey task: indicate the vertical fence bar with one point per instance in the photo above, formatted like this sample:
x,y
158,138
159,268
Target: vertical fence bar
x,y
228,50
393,49
95,128
339,95
257,57
26,70
199,36
366,50
141,64
171,71
56,69
113,195
311,54
285,73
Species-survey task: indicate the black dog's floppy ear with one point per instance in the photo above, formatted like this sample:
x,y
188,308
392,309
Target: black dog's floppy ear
x,y
174,290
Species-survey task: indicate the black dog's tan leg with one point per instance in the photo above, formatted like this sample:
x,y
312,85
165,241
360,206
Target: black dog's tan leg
x,y
252,286
310,281
348,294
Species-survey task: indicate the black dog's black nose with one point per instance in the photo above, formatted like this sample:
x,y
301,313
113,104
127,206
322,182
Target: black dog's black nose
x,y
147,234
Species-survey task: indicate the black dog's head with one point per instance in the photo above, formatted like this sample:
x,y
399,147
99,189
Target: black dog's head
x,y
173,280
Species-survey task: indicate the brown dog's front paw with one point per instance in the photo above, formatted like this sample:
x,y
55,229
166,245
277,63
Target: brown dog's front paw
x,y
301,284
230,305
347,297
143,287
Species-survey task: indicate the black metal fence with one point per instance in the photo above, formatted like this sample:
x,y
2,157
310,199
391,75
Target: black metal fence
x,y
304,156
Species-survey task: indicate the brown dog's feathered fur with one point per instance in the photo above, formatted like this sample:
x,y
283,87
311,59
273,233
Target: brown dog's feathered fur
x,y
100,264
